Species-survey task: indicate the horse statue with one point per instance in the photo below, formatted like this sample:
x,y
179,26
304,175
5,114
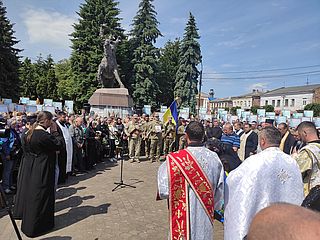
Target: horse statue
x,y
108,67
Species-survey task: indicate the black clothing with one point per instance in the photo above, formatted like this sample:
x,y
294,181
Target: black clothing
x,y
251,144
216,132
35,197
91,150
104,129
289,144
209,132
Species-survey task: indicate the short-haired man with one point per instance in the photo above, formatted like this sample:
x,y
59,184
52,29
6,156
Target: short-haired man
x,y
135,132
279,222
230,138
77,135
238,128
248,142
287,140
308,157
262,179
192,199
66,153
217,131
254,127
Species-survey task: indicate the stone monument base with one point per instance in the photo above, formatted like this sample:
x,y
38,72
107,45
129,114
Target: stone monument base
x,y
109,101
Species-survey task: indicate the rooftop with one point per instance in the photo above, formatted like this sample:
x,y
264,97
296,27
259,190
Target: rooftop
x,y
292,90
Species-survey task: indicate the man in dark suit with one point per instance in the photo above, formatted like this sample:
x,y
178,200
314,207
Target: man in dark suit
x,y
287,139
248,142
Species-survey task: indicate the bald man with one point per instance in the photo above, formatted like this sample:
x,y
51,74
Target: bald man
x,y
308,157
285,222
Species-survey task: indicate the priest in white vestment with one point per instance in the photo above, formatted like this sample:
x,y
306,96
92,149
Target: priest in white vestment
x,y
200,224
265,178
61,122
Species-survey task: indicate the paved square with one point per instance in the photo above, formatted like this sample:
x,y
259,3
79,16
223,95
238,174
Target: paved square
x,y
86,208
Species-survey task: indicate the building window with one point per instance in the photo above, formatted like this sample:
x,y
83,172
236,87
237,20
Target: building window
x,y
286,102
278,103
292,103
249,103
266,102
241,103
304,101
274,103
245,103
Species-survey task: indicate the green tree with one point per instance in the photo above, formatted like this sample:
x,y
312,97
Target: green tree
x,y
65,87
9,59
169,64
145,56
28,79
315,107
233,110
269,108
87,45
47,81
254,109
187,75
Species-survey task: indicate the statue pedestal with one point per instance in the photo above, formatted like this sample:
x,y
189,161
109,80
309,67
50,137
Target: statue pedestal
x,y
109,101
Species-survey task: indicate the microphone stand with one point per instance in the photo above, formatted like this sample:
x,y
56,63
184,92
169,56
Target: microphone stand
x,y
121,184
4,203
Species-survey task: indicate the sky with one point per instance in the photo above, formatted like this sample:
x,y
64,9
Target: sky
x,y
245,45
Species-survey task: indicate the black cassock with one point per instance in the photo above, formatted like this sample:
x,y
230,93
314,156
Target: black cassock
x,y
36,191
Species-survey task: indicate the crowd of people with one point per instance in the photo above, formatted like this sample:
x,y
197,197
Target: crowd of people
x,y
264,163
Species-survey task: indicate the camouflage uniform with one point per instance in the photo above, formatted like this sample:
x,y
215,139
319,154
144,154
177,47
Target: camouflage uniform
x,y
134,131
145,138
155,136
182,138
169,137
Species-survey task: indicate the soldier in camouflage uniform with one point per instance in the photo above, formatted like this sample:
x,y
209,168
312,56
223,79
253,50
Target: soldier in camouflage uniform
x,y
181,136
145,140
155,136
134,131
169,136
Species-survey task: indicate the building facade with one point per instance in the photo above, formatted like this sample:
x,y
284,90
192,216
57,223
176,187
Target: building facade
x,y
204,101
248,100
222,103
291,98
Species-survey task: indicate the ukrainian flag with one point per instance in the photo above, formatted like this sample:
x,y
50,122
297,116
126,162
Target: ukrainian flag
x,y
172,111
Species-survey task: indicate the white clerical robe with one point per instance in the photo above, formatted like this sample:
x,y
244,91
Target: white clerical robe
x,y
69,145
265,178
200,225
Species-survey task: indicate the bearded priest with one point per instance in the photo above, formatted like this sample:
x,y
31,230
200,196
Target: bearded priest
x,y
192,180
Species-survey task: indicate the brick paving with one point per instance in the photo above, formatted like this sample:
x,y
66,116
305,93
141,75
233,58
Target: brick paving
x,y
86,208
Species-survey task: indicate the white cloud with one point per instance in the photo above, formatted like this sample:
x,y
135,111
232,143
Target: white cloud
x,y
48,27
259,86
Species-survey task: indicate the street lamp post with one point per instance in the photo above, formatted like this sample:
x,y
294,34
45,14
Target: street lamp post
x,y
200,85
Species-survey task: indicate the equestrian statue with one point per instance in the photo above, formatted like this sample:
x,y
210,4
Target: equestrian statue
x,y
108,67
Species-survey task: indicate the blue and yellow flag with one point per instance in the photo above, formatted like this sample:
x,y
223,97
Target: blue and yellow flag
x,y
172,111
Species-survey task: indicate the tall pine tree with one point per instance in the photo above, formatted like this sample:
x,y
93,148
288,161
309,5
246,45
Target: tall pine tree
x,y
9,60
28,78
145,56
169,64
187,75
65,87
87,45
47,81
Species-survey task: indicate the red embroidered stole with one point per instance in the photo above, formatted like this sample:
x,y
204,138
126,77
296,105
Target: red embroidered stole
x,y
184,170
